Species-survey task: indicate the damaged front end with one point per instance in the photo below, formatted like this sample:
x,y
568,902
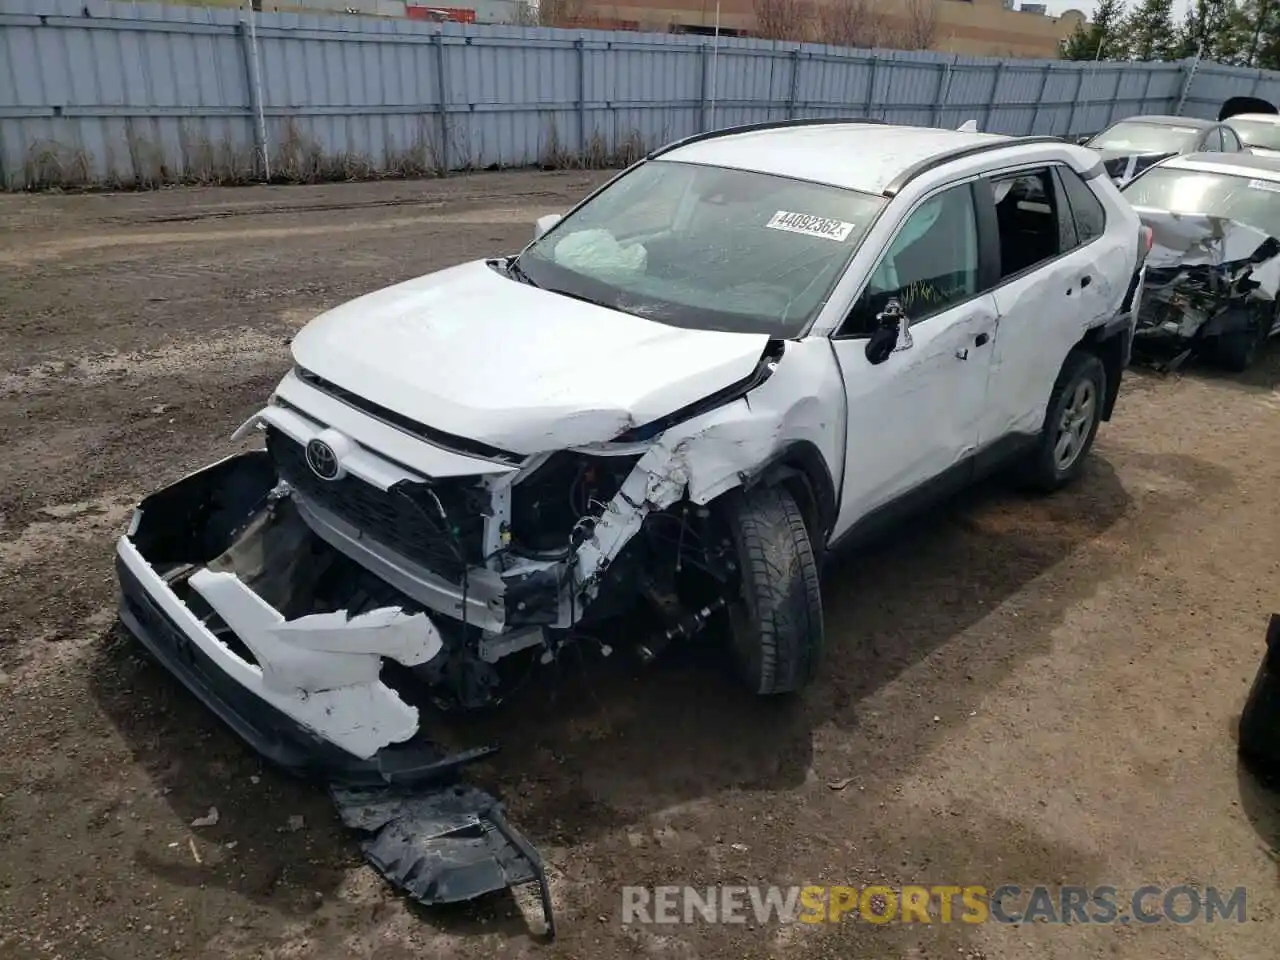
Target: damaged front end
x,y
1210,289
321,592
284,640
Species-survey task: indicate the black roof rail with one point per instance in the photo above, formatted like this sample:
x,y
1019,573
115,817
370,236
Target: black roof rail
x,y
895,186
763,125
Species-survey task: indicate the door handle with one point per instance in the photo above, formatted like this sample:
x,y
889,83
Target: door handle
x,y
981,340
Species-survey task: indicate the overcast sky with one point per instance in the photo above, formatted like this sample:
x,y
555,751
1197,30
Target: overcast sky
x,y
1086,6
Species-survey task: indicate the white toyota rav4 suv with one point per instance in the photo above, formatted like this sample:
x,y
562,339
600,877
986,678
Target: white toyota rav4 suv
x,y
750,346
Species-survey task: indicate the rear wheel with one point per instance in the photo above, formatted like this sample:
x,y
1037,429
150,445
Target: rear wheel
x,y
776,620
1070,424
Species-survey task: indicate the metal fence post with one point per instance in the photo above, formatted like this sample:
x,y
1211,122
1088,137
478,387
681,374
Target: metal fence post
x,y
943,91
871,87
1044,85
795,82
442,103
581,46
1146,94
995,92
1186,83
704,57
257,121
1075,101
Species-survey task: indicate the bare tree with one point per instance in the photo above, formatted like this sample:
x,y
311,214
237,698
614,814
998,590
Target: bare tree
x,y
549,13
852,23
783,19
920,25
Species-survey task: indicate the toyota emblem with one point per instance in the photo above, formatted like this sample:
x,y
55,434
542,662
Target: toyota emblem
x,y
322,460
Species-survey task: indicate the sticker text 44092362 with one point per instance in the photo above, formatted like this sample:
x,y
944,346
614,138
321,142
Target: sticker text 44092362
x,y
810,226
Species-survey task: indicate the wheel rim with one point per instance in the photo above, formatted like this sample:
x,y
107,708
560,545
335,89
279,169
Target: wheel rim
x,y
1075,424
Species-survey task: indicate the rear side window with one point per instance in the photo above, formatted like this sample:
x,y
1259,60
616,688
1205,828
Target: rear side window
x,y
1213,142
1086,209
1028,219
1230,142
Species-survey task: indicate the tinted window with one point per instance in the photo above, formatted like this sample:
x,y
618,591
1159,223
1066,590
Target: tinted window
x,y
931,264
1027,215
706,247
1133,136
1086,209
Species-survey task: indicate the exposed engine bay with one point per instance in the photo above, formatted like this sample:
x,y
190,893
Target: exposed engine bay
x,y
1208,278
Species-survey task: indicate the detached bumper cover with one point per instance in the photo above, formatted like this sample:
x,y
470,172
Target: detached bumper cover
x,y
435,839
270,731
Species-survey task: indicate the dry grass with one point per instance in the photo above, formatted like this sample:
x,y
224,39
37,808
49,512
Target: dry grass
x,y
628,148
141,163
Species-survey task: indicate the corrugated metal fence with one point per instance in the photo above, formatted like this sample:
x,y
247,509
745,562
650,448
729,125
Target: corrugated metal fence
x,y
139,94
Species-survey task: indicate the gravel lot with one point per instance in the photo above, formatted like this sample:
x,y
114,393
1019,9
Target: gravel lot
x,y
1023,691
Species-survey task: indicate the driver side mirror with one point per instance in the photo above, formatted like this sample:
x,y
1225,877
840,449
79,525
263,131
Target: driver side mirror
x,y
543,224
891,327
1083,139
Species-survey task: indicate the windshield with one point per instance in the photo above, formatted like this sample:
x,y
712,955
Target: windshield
x,y
706,247
1257,133
1137,137
1249,201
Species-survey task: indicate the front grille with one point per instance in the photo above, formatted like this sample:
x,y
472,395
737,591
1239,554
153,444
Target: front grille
x,y
404,519
412,427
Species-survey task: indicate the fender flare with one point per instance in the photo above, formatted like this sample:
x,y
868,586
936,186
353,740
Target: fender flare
x,y
800,463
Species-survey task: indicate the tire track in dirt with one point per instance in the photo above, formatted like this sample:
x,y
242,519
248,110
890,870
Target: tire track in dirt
x,y
206,358
29,254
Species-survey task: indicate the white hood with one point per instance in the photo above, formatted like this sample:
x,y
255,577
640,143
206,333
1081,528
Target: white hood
x,y
476,354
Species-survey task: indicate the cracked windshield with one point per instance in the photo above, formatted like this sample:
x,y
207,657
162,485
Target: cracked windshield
x,y
705,247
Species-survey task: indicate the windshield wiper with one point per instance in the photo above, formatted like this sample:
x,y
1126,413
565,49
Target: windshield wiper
x,y
517,271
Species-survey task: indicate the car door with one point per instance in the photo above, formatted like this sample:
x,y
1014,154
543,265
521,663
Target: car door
x,y
913,414
1056,279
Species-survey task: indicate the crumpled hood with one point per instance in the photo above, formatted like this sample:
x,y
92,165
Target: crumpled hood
x,y
1235,250
1201,267
474,353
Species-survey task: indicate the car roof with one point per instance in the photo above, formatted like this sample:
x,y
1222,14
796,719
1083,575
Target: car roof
x,y
857,155
1264,117
1167,120
1238,164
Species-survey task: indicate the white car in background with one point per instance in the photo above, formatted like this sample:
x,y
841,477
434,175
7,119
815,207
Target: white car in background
x,y
1259,132
1133,144
1213,273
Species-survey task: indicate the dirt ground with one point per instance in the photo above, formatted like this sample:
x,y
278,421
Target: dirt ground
x,y
1022,691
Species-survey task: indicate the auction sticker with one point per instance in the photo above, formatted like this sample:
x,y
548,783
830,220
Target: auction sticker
x,y
810,226
1267,185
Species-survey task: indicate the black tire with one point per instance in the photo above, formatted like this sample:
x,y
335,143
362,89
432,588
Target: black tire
x,y
1044,470
776,623
1259,728
1236,351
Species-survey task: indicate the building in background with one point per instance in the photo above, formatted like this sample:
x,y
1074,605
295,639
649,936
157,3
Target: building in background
x,y
993,28
975,27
